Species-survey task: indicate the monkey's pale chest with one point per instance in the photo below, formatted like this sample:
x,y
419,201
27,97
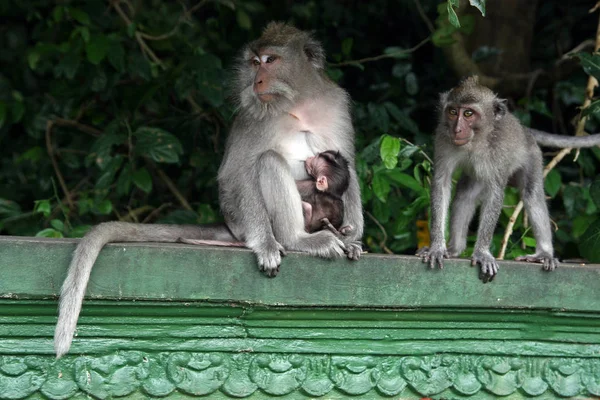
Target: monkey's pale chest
x,y
295,148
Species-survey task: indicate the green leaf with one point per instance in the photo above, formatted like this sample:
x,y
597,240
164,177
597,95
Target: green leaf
x,y
79,231
390,147
405,180
595,191
143,180
105,207
381,186
116,56
589,245
9,208
553,183
97,48
43,206
32,59
412,86
49,233
243,19
80,16
347,46
592,109
124,180
580,224
404,121
479,4
58,225
590,63
158,144
452,17
529,241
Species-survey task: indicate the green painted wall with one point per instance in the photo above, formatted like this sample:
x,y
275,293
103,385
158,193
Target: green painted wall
x,y
184,321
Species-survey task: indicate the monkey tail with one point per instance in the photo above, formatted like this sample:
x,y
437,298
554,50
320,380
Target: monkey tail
x,y
73,289
552,140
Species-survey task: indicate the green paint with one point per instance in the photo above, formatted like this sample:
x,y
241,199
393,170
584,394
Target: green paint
x,y
181,321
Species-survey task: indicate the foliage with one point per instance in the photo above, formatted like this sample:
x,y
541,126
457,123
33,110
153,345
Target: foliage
x,y
119,110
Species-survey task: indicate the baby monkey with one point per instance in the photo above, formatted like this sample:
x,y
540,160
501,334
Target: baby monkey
x,y
321,195
477,134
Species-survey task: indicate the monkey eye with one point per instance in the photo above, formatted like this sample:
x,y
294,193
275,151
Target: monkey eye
x,y
255,61
270,59
452,111
468,112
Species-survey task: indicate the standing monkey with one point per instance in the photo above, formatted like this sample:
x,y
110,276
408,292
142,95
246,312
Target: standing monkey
x,y
478,134
288,111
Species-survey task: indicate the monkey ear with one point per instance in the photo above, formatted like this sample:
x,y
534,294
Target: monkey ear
x,y
322,183
315,53
500,108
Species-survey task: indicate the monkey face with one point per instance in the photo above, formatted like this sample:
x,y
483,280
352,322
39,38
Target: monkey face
x,y
461,120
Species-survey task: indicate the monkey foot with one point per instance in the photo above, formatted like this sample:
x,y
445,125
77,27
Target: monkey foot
x,y
487,264
353,249
548,262
433,256
269,259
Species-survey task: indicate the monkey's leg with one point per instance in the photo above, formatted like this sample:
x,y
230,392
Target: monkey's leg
x,y
532,193
463,209
493,198
284,208
440,200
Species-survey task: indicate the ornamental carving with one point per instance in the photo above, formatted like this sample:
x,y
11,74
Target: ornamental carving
x,y
307,376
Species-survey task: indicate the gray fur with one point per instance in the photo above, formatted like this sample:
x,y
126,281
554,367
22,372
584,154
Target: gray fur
x,y
501,151
257,191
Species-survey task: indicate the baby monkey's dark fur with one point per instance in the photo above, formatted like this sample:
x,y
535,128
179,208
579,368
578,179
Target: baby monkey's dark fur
x,y
477,134
322,195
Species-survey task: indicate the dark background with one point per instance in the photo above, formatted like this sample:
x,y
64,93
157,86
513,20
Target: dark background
x,y
118,109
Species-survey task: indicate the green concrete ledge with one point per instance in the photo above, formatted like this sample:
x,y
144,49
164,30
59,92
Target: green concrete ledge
x,y
180,321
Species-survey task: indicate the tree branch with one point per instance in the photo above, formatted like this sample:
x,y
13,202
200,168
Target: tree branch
x,y
382,56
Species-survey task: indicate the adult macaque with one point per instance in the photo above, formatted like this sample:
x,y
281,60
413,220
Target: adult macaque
x,y
288,111
322,195
477,134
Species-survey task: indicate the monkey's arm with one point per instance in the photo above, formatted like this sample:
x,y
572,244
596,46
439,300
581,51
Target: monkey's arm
x,y
440,200
353,216
553,140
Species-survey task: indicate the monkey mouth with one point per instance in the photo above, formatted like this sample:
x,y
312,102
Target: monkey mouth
x,y
460,141
265,97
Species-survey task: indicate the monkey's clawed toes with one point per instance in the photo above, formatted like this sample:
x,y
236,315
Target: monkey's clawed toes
x,y
269,260
433,256
353,249
548,262
488,266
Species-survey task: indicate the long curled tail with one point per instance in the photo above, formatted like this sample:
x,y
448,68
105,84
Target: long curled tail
x,y
552,140
73,289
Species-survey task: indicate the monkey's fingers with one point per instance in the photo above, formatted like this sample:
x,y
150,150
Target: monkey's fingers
x,y
488,266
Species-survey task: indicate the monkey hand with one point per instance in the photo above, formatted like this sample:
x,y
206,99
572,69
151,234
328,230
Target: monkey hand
x,y
269,257
434,255
487,264
549,263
